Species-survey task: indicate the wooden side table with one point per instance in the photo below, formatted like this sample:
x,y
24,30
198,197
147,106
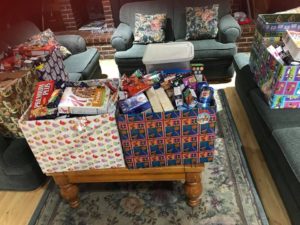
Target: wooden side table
x,y
191,174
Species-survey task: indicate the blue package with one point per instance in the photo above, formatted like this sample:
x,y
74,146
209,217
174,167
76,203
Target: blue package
x,y
136,104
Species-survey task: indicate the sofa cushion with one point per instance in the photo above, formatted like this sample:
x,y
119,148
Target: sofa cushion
x,y
149,28
180,17
210,48
128,11
75,76
201,22
78,62
289,142
274,118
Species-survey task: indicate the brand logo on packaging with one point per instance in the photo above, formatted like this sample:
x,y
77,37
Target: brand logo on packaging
x,y
203,118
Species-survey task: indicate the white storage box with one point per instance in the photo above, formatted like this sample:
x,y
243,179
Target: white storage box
x,y
291,40
168,56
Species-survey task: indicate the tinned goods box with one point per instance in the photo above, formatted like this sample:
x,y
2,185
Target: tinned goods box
x,y
168,138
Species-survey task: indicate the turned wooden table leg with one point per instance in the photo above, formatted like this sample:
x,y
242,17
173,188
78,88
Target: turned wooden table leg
x,y
193,188
68,191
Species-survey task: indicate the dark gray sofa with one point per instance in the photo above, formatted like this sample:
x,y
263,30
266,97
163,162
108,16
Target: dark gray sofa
x,y
278,134
217,54
83,64
18,168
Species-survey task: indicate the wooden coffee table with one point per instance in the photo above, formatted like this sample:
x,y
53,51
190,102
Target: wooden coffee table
x,y
190,174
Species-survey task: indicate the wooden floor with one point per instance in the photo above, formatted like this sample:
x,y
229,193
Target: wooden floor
x,y
16,208
267,190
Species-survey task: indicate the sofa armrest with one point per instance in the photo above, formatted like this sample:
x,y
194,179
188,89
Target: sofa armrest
x,y
74,43
229,29
122,38
241,60
18,153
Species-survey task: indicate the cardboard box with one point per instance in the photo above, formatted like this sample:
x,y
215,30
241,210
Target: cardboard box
x,y
72,144
280,83
16,89
84,101
274,25
168,138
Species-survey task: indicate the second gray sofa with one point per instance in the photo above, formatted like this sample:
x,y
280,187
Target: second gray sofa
x,y
217,54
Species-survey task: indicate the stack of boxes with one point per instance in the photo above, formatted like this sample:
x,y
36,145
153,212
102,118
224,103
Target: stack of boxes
x,y
274,72
20,67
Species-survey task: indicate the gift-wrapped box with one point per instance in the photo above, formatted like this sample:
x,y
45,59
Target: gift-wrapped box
x,y
51,67
16,89
279,83
168,138
274,25
72,144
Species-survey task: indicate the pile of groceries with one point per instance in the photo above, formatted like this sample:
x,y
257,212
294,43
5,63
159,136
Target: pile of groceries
x,y
167,90
90,97
159,91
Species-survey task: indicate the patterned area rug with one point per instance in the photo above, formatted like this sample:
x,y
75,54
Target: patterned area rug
x,y
229,196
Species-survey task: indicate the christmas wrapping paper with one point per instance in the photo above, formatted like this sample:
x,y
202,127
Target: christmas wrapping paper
x,y
79,143
15,98
52,67
279,83
168,138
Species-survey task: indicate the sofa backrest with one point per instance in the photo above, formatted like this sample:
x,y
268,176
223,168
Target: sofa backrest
x,y
128,10
19,33
180,18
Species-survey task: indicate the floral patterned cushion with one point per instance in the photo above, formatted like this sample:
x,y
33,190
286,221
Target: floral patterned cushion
x,y
149,28
201,22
